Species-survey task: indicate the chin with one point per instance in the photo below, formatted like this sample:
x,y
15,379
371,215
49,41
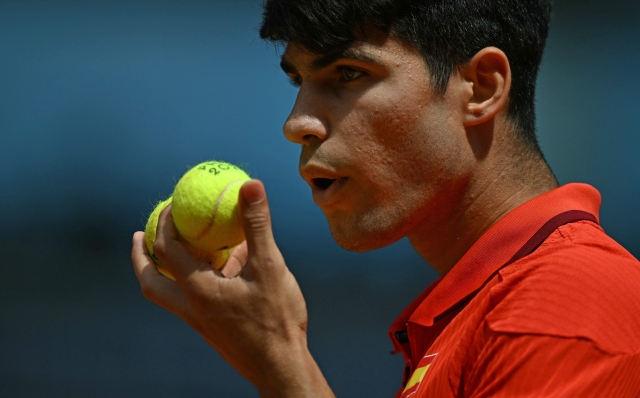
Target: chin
x,y
363,238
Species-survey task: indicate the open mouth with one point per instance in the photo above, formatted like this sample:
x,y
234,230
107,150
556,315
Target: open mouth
x,y
323,183
326,190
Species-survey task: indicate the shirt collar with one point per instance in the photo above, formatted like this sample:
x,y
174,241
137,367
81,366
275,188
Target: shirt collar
x,y
494,248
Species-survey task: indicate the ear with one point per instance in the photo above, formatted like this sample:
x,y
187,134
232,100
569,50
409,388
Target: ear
x,y
488,76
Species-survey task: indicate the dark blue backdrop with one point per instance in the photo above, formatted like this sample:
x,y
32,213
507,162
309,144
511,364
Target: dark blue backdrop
x,y
103,105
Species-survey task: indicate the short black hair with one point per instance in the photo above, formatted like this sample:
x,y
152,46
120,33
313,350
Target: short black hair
x,y
447,33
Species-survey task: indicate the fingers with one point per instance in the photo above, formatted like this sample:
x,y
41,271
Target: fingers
x,y
236,261
155,286
174,254
260,248
256,221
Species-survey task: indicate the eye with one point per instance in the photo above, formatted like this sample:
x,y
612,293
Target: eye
x,y
348,74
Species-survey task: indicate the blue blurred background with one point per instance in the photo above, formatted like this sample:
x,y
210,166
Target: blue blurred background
x,y
103,106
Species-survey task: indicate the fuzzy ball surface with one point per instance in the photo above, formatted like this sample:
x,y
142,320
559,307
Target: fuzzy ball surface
x,y
205,206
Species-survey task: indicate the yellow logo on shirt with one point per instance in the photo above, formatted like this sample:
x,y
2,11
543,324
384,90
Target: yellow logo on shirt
x,y
418,375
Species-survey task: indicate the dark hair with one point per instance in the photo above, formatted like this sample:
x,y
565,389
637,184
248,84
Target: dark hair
x,y
446,32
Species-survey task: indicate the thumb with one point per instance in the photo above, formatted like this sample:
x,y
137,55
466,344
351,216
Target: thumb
x,y
256,221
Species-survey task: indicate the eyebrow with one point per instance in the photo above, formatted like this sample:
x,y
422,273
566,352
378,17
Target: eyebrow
x,y
327,59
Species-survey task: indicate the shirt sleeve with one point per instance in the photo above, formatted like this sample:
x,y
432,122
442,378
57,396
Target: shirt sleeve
x,y
522,365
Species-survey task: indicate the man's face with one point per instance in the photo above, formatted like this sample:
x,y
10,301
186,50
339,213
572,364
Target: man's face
x,y
384,155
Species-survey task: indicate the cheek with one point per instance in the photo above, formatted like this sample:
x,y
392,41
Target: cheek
x,y
403,135
404,151
383,125
415,160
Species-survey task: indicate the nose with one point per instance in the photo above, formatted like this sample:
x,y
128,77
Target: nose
x,y
305,123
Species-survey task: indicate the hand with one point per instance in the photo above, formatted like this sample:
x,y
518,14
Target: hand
x,y
252,312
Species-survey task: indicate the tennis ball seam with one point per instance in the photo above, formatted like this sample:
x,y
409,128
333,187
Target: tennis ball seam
x,y
215,209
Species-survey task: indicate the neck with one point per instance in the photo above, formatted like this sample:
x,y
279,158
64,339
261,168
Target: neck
x,y
492,193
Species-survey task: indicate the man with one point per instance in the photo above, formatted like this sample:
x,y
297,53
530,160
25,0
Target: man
x,y
417,119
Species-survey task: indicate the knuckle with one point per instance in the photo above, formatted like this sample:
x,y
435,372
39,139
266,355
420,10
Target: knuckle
x,y
160,248
148,290
266,262
258,220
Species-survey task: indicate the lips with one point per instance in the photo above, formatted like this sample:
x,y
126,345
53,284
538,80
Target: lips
x,y
326,190
325,184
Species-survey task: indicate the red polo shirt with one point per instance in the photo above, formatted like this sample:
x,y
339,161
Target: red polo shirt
x,y
563,321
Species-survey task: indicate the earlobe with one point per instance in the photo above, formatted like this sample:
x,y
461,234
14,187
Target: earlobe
x,y
489,76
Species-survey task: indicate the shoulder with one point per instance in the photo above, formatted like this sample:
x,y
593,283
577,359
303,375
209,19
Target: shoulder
x,y
578,284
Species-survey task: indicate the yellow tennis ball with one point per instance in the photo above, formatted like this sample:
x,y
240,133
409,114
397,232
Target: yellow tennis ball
x,y
216,258
150,234
205,206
